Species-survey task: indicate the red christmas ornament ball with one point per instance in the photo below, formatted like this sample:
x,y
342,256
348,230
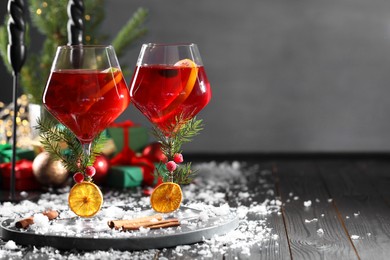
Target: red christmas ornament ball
x,y
101,165
154,153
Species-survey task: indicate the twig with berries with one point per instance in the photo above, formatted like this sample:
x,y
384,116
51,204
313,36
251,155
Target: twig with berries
x,y
175,135
63,145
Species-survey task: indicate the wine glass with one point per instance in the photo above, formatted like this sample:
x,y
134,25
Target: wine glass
x,y
169,82
86,90
170,86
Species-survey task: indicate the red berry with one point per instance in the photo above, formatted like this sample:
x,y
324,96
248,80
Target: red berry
x,y
90,171
78,177
178,158
171,166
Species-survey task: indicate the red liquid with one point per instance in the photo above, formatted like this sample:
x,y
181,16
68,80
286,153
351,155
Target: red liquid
x,y
163,93
86,101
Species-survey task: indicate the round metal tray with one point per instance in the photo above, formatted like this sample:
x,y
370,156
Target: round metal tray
x,y
88,237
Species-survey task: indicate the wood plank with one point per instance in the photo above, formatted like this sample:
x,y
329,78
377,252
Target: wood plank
x,y
378,172
299,182
261,184
362,208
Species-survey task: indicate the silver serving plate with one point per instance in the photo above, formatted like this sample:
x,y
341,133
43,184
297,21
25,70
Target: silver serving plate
x,y
88,237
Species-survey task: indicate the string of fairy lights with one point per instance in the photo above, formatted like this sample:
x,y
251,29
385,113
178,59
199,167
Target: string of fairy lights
x,y
23,132
87,18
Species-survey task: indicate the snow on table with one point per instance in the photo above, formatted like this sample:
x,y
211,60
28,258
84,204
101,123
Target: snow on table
x,y
205,201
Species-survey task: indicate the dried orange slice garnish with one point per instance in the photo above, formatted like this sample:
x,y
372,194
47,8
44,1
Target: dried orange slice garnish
x,y
85,199
166,197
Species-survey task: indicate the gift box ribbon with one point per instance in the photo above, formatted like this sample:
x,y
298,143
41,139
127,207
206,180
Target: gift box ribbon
x,y
6,153
23,169
128,157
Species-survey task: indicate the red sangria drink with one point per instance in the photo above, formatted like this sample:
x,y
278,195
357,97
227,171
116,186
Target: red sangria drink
x,y
86,90
169,82
164,92
86,101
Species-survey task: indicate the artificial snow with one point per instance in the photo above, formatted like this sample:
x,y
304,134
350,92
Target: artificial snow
x,y
355,237
311,220
219,190
307,203
10,245
41,221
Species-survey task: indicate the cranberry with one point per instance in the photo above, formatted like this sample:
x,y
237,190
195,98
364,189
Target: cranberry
x,y
90,171
178,158
78,177
171,166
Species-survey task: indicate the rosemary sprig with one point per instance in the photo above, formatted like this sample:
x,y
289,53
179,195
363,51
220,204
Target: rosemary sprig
x,y
171,139
55,138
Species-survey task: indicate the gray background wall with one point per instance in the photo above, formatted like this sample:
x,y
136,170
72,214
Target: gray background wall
x,y
286,75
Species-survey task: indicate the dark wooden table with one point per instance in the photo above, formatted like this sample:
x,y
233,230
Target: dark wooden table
x,y
350,203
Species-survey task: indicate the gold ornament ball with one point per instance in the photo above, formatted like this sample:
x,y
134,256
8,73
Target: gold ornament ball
x,y
48,172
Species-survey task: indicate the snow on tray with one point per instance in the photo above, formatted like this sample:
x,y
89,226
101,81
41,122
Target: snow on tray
x,y
217,186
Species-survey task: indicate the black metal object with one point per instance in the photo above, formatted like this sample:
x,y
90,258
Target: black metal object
x,y
75,23
16,57
76,30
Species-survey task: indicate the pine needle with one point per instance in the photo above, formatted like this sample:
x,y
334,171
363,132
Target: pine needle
x,y
55,136
181,131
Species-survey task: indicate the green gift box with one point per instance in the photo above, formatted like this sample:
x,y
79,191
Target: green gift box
x,y
124,176
6,153
137,137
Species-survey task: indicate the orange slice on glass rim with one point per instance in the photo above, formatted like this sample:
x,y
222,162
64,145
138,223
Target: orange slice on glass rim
x,y
85,199
186,91
166,197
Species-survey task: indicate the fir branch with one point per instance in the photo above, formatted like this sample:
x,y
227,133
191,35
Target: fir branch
x,y
130,32
180,132
190,129
94,10
3,47
161,171
50,19
55,136
184,174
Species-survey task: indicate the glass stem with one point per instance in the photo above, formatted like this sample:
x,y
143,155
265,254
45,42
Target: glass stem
x,y
87,150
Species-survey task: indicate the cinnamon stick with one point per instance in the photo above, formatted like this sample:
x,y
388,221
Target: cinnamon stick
x,y
153,225
152,222
118,224
26,222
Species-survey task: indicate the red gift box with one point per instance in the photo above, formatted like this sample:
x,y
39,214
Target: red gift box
x,y
24,176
